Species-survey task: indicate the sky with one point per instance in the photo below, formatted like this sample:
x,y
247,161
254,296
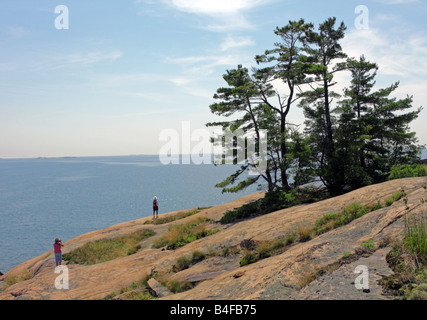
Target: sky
x,y
108,77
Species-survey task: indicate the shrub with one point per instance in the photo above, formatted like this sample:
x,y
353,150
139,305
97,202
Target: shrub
x,y
409,279
395,197
370,245
326,218
337,219
248,258
273,201
182,263
389,202
407,171
376,206
356,210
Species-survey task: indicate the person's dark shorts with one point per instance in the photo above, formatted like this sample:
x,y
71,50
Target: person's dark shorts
x,y
156,208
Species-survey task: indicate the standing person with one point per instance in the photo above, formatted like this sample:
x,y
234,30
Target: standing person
x,y
57,249
155,208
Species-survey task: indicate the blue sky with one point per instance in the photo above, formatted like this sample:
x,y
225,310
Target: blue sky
x,y
126,70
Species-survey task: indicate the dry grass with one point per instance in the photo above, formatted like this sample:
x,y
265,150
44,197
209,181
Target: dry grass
x,y
174,217
305,233
108,249
179,235
13,279
307,274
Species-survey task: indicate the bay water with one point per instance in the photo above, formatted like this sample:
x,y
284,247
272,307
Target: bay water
x,y
41,199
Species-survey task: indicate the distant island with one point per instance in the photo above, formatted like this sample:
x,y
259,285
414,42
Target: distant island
x,y
66,157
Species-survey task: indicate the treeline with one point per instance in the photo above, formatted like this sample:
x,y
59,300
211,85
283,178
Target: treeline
x,y
349,139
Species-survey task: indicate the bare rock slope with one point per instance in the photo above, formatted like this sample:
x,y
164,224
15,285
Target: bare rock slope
x,y
288,275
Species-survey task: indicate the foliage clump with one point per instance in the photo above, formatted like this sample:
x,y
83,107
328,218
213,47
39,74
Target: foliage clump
x,y
408,258
108,249
179,235
407,171
273,201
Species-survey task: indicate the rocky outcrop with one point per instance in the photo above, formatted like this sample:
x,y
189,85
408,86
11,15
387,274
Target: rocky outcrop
x,y
315,269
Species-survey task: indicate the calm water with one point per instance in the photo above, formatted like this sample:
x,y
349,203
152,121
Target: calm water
x,y
41,199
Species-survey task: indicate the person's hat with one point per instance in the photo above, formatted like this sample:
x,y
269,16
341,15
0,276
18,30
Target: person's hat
x,y
57,240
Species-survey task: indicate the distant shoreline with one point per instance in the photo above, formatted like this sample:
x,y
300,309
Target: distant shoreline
x,y
423,156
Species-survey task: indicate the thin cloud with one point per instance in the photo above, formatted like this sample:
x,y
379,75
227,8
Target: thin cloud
x,y
233,43
223,15
398,1
397,55
76,60
401,56
205,65
15,31
215,8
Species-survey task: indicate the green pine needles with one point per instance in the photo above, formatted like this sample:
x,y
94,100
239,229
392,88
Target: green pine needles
x,y
351,139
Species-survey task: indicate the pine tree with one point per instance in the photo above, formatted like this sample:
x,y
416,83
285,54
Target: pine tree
x,y
324,55
349,141
353,127
392,143
241,99
373,129
288,67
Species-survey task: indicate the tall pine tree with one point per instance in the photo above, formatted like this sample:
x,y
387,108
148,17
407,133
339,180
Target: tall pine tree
x,y
324,58
373,131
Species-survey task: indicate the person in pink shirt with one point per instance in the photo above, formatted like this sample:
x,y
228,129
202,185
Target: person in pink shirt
x,y
57,249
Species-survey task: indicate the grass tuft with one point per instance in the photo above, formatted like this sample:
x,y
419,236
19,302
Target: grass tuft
x,y
107,249
14,279
183,263
179,235
174,217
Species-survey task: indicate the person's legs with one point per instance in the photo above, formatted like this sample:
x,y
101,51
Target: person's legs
x,y
58,259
